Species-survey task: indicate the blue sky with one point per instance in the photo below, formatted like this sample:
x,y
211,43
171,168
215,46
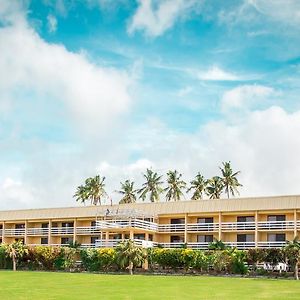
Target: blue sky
x,y
114,87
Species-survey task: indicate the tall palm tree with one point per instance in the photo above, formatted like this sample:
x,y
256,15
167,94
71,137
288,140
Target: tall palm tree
x,y
152,186
128,192
230,181
93,190
175,186
199,186
214,187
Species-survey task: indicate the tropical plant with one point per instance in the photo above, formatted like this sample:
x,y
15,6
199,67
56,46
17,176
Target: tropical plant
x,y
217,245
214,187
128,192
152,186
15,251
199,186
292,253
128,255
230,182
175,186
93,190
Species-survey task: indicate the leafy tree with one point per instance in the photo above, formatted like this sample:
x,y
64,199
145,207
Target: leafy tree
x,y
292,253
128,192
214,187
152,186
93,190
230,182
15,251
199,186
175,186
128,255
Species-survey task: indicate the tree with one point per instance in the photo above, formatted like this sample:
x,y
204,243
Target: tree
x,y
128,192
175,186
15,251
152,186
230,181
214,187
292,253
129,255
92,190
199,186
217,245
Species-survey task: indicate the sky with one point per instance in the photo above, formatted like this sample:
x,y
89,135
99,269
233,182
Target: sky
x,y
113,87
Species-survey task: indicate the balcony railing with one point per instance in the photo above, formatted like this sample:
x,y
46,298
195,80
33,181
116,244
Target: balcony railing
x,y
37,231
62,230
197,227
171,227
87,230
236,226
275,225
14,232
271,244
241,245
171,245
131,223
113,243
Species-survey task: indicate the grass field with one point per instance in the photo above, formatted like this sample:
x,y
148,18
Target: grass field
x,y
42,285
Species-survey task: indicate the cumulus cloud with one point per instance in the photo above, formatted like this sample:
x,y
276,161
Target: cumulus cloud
x,y
156,17
215,73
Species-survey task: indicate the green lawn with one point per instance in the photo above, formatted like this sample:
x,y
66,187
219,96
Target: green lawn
x,y
42,285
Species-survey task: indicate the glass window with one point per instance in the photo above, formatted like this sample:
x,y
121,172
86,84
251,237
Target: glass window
x,y
205,220
205,238
277,218
177,221
176,239
44,241
245,219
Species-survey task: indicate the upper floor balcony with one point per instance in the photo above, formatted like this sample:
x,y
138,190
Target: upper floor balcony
x,y
129,223
277,225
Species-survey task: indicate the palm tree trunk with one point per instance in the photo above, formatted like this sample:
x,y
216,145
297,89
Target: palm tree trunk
x,y
130,268
14,263
296,271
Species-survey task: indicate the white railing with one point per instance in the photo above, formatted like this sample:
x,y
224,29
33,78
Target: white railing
x,y
241,245
135,223
171,227
235,226
14,232
113,243
275,225
198,245
196,227
271,244
87,246
171,245
62,230
37,231
88,230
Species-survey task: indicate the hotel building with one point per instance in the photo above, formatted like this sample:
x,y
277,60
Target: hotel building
x,y
244,223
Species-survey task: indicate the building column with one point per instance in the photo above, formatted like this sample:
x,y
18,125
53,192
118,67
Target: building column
x,y
295,223
49,232
3,232
131,235
74,230
220,227
25,235
185,228
147,236
256,229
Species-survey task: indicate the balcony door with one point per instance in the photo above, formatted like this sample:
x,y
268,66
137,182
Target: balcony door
x,y
276,218
205,220
243,219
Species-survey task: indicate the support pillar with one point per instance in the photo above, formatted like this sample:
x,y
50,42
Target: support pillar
x,y
49,232
25,233
295,223
220,227
256,230
185,228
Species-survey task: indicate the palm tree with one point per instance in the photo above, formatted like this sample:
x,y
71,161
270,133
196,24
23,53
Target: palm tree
x,y
230,181
93,190
292,253
128,192
129,255
15,251
152,186
175,186
214,187
198,185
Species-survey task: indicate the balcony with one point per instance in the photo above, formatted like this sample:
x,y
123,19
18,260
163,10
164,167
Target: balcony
x,y
113,243
37,231
171,227
130,223
237,226
14,232
241,245
87,230
62,230
276,225
198,227
275,244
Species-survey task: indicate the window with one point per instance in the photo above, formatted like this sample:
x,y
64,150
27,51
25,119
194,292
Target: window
x,y
139,236
54,224
66,240
277,218
1,226
67,224
19,226
117,236
205,220
244,238
93,223
205,238
44,241
245,219
176,239
276,237
150,237
94,239
45,225
177,221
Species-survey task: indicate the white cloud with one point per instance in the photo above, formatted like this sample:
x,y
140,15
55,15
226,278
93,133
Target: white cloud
x,y
215,73
156,17
245,96
95,95
52,23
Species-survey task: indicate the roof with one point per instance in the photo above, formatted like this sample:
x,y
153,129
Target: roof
x,y
161,208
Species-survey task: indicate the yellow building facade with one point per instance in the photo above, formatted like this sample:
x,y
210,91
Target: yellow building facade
x,y
244,223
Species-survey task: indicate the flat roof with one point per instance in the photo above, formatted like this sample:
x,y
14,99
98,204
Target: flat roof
x,y
160,208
